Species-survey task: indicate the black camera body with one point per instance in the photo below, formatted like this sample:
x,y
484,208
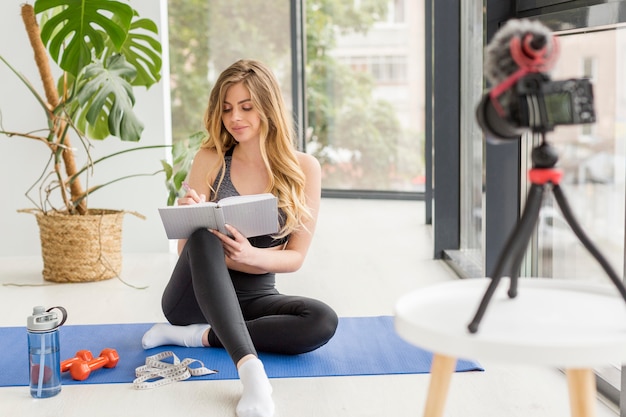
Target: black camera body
x,y
539,104
566,102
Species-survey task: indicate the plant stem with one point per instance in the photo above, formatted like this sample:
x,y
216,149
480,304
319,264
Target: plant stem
x,y
43,64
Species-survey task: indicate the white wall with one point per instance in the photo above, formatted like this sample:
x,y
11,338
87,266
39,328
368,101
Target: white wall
x,y
21,160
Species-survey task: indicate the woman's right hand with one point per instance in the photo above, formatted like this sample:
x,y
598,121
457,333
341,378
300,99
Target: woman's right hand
x,y
191,197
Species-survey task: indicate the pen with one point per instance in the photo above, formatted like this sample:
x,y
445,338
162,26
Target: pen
x,y
186,186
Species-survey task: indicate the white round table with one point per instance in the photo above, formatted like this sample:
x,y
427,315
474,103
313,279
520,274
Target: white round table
x,y
567,324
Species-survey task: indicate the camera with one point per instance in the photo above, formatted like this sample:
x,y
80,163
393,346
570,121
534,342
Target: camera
x,y
539,104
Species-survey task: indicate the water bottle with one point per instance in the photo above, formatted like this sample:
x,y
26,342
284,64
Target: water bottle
x,y
43,351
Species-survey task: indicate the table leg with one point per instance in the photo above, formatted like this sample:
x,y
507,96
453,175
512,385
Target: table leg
x,y
441,371
582,392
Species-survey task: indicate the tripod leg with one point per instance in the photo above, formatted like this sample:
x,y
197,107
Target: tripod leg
x,y
587,243
528,222
516,244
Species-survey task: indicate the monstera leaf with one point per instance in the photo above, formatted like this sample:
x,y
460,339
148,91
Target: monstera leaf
x,y
142,50
105,100
73,34
98,43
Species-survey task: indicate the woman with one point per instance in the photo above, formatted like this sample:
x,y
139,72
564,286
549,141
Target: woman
x,y
222,291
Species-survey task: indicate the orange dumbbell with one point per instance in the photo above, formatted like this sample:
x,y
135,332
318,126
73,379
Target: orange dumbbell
x,y
81,355
80,370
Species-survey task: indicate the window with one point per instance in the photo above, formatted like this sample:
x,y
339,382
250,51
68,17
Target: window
x,y
205,37
365,94
592,159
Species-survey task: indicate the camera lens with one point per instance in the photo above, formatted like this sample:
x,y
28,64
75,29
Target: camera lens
x,y
492,124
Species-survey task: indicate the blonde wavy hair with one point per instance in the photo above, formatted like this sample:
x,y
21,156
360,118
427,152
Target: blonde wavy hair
x,y
287,180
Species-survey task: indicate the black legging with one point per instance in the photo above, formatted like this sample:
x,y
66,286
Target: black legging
x,y
244,310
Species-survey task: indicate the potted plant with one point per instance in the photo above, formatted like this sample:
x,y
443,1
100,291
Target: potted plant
x,y
103,49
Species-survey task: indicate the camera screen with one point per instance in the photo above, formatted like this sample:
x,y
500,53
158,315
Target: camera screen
x,y
558,108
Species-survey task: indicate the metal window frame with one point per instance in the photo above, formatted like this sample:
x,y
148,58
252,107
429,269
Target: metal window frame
x,y
502,198
298,73
443,122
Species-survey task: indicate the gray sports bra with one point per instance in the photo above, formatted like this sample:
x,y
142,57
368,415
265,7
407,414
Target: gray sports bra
x,y
227,189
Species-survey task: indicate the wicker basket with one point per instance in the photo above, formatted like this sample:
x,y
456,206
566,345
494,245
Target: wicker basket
x,y
81,248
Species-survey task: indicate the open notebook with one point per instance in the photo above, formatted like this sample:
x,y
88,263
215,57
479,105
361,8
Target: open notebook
x,y
252,215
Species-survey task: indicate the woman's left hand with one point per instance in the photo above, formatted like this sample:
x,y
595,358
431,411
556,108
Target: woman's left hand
x,y
237,247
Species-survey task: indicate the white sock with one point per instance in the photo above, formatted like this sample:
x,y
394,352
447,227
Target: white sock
x,y
256,400
167,334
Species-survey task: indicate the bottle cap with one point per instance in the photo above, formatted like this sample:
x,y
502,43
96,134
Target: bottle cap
x,y
42,320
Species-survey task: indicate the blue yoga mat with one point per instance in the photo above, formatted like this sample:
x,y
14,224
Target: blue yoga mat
x,y
361,346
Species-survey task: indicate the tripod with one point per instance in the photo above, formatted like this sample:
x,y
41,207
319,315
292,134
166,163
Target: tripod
x,y
543,176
